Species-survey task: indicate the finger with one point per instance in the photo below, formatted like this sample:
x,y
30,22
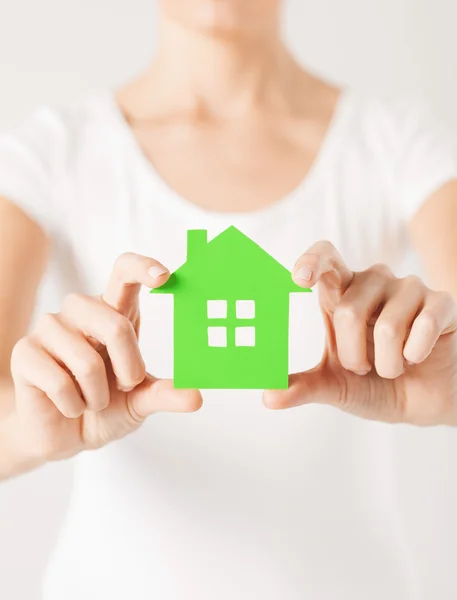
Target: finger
x,y
79,357
98,320
38,369
130,272
437,317
322,262
158,395
392,326
350,320
318,385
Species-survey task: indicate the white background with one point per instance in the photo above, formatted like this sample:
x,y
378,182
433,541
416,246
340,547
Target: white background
x,y
51,51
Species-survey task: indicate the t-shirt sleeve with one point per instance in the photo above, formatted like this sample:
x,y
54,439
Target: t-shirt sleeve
x,y
28,157
426,157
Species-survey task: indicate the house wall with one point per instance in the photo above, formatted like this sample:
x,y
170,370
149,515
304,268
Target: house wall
x,y
233,367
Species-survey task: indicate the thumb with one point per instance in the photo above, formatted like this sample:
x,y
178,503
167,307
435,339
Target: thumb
x,y
127,411
158,395
316,386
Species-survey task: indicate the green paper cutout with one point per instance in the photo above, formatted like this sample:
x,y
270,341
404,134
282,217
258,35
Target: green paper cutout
x,y
230,268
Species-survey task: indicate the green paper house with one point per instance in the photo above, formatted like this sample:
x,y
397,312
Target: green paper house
x,y
231,314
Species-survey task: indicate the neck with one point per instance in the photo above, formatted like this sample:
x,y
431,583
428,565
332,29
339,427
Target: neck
x,y
217,75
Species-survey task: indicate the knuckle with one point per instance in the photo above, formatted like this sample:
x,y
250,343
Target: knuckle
x,y
90,367
46,322
382,270
413,282
326,250
326,246
312,261
347,314
119,327
429,322
60,386
123,260
22,345
20,353
387,329
71,301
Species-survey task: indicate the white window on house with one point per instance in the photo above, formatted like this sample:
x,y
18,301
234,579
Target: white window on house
x,y
217,309
245,309
244,336
217,336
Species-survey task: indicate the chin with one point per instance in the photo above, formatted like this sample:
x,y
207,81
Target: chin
x,y
218,22
219,18
221,31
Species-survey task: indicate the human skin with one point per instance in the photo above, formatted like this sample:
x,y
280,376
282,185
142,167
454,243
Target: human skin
x,y
223,94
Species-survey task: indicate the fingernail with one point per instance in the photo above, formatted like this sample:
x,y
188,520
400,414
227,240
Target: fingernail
x,y
304,273
156,271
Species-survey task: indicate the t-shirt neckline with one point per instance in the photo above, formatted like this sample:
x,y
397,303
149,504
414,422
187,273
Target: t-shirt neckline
x,y
185,206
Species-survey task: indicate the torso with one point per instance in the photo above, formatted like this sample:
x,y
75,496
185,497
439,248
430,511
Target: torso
x,y
233,501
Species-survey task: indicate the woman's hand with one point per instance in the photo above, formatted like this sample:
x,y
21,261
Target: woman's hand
x,y
391,345
80,381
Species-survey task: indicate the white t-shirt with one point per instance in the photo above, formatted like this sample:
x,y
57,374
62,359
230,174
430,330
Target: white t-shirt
x,y
235,501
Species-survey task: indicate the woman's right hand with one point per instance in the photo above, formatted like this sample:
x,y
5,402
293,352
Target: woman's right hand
x,y
80,380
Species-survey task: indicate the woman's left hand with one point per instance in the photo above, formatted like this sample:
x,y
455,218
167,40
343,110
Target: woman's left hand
x,y
391,345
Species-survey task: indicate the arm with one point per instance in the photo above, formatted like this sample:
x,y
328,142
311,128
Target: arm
x,y
433,232
22,264
76,381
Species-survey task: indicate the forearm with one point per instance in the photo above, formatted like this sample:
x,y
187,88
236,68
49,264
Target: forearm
x,y
14,458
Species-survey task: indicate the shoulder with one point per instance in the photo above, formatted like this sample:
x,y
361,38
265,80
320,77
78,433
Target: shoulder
x,y
398,124
49,130
408,142
40,150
